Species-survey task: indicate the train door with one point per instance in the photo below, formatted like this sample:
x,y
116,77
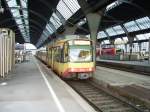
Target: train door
x,y
65,57
59,63
49,56
53,57
46,55
57,58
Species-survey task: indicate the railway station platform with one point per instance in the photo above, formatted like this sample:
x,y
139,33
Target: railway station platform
x,y
34,88
137,66
140,63
130,86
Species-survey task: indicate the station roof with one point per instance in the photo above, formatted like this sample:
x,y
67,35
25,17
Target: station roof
x,y
38,21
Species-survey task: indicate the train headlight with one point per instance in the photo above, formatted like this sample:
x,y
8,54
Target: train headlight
x,y
72,69
90,69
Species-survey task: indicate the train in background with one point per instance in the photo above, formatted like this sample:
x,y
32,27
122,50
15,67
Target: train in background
x,y
70,57
109,51
112,53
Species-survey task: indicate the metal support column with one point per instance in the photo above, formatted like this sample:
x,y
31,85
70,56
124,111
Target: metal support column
x,y
140,48
99,47
112,42
93,20
93,26
107,35
126,48
131,39
93,23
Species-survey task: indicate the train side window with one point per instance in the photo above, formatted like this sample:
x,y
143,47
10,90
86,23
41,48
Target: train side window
x,y
54,53
61,55
57,54
50,53
65,52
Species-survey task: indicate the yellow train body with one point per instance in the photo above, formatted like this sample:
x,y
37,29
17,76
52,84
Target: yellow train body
x,y
61,55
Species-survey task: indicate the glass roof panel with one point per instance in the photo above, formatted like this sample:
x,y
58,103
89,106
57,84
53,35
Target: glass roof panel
x,y
23,3
21,26
49,29
111,32
19,21
131,26
12,3
101,34
144,23
47,32
64,10
118,29
14,8
55,21
56,18
72,5
25,14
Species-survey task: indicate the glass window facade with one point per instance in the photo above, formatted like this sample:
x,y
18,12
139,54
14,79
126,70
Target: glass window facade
x,y
68,7
111,31
118,29
101,34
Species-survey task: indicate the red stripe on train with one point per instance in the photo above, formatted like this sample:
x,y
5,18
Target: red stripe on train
x,y
78,70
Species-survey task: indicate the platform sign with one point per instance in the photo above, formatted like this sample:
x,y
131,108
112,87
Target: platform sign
x,y
81,42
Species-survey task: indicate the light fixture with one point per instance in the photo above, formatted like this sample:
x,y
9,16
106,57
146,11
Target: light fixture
x,y
1,8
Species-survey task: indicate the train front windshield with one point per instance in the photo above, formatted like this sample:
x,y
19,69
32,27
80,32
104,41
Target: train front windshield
x,y
80,53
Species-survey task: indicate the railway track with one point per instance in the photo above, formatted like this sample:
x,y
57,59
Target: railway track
x,y
100,100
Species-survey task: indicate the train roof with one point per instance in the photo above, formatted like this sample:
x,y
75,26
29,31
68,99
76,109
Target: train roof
x,y
61,40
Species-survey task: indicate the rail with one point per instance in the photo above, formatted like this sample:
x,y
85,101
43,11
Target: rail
x,y
99,99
